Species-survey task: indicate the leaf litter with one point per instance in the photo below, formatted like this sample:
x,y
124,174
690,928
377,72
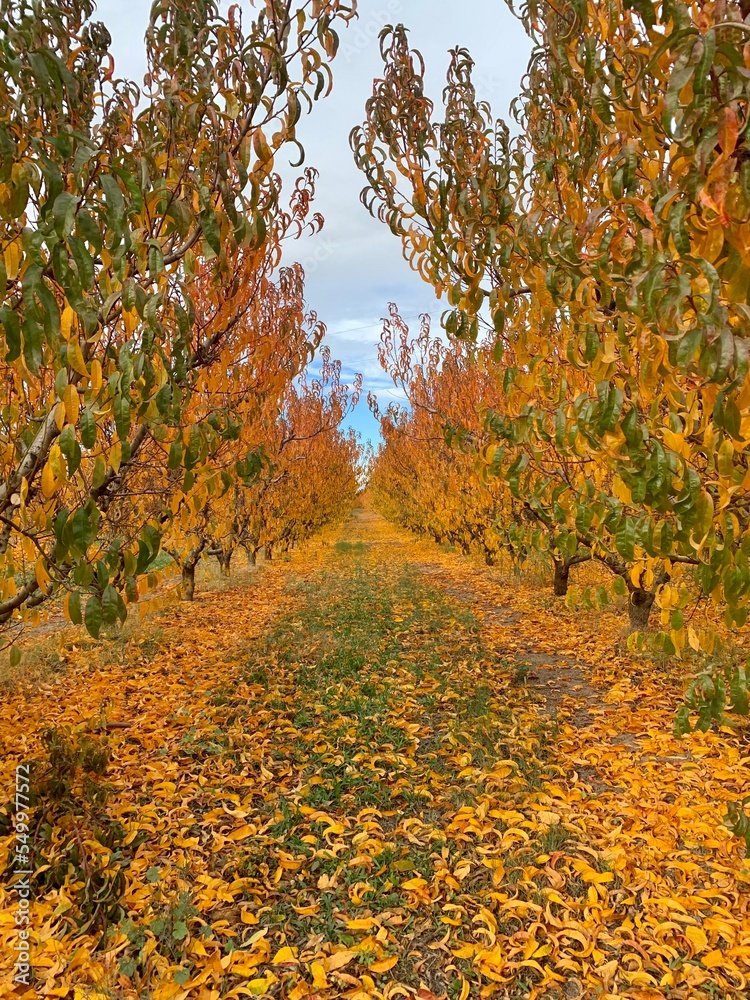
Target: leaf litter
x,y
347,781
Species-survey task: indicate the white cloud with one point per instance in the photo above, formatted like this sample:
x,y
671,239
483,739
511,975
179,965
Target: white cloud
x,y
354,266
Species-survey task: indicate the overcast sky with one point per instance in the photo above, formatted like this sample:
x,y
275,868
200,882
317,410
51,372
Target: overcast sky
x,y
354,267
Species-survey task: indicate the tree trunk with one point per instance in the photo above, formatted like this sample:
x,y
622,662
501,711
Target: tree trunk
x,y
639,608
252,556
188,581
225,560
562,572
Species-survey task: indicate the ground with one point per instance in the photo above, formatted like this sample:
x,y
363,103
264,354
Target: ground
x,y
374,770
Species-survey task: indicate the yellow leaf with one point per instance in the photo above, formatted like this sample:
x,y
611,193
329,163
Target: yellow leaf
x,y
247,917
362,924
258,986
130,318
169,991
597,877
414,883
697,937
714,959
115,460
96,376
245,968
49,480
284,955
550,818
12,257
467,951
75,358
621,491
60,415
339,960
244,831
709,244
71,403
465,987
320,982
385,964
635,574
66,322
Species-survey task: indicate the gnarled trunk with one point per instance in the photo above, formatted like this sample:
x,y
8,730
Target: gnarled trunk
x,y
188,570
639,608
225,561
562,574
188,581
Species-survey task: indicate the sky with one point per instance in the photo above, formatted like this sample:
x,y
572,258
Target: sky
x,y
354,267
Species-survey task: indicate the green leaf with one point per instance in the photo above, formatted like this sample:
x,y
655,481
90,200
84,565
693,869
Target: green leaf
x,y
601,104
625,539
677,226
210,228
74,607
99,474
121,408
82,530
64,213
93,616
732,419
88,427
12,330
115,202
738,690
175,455
70,448
682,722
180,931
688,345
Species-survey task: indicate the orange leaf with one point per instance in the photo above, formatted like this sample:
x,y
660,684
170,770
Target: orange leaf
x,y
728,131
339,959
384,964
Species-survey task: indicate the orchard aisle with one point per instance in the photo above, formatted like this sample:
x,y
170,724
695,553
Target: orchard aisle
x,y
379,770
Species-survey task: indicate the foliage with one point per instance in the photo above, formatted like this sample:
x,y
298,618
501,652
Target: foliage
x,y
140,232
75,841
305,477
599,258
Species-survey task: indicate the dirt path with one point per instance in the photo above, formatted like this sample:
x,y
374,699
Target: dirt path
x,y
377,771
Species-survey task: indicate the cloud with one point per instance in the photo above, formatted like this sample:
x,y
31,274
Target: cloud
x,y
355,267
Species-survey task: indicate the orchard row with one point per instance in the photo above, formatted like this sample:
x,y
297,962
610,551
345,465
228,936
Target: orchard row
x,y
163,382
592,400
